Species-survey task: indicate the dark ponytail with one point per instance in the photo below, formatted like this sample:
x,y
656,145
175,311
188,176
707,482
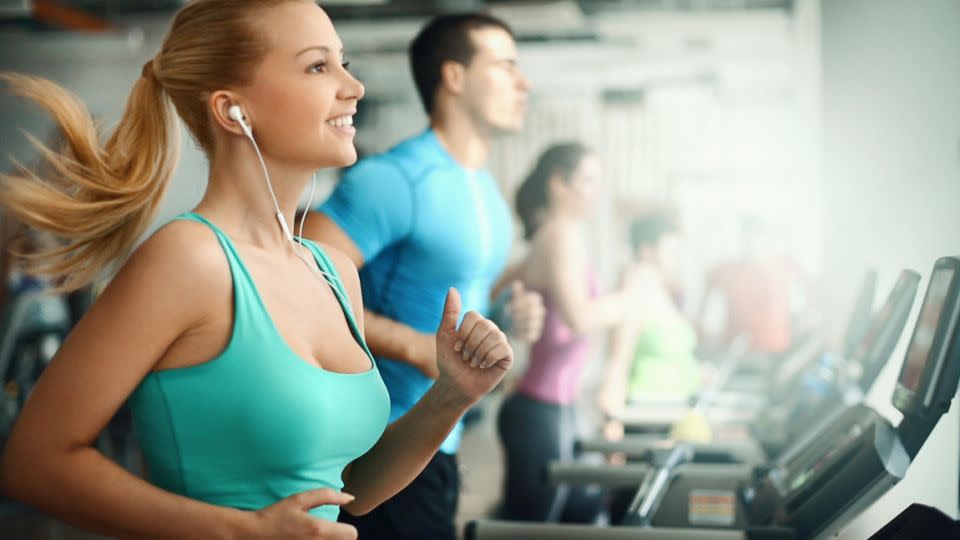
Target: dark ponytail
x,y
531,199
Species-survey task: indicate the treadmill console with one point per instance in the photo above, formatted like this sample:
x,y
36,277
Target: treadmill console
x,y
928,378
859,456
873,352
780,427
858,325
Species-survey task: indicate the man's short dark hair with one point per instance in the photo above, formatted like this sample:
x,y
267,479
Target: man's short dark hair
x,y
445,38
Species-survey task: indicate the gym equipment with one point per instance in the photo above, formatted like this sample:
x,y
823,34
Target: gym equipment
x,y
737,397
32,327
787,422
817,487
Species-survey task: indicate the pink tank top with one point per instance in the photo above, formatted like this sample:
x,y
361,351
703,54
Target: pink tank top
x,y
558,357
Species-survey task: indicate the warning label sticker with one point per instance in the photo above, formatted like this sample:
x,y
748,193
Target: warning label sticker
x,y
712,507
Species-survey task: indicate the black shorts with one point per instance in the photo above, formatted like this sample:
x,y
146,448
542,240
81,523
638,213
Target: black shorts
x,y
424,510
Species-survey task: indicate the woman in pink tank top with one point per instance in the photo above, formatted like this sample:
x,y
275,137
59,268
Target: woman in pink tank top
x,y
537,423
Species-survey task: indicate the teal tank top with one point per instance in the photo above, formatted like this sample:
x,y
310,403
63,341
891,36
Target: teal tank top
x,y
257,423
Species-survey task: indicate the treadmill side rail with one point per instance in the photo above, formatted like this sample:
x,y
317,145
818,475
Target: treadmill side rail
x,y
511,530
629,475
746,451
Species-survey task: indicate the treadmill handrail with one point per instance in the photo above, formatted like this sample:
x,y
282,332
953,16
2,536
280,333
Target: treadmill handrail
x,y
512,530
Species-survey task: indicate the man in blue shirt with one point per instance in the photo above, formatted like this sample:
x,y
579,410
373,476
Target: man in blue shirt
x,y
425,216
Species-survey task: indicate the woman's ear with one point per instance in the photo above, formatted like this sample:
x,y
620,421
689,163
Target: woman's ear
x,y
220,103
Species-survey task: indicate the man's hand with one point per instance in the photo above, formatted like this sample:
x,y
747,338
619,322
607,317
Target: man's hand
x,y
522,316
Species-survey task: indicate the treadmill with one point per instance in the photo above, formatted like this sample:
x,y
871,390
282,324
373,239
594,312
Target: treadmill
x,y
785,423
733,401
813,490
32,326
858,325
849,381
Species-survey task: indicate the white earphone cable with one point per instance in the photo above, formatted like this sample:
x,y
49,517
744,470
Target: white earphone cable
x,y
297,245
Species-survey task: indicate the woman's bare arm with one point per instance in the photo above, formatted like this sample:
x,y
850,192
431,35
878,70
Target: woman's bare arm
x,y
50,461
567,277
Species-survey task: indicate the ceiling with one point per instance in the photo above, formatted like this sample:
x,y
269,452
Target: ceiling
x,y
65,14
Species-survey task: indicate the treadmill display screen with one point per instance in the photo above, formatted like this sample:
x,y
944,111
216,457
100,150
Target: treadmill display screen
x,y
885,329
923,335
880,321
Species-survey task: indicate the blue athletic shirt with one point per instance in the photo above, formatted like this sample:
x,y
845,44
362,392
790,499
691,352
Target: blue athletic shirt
x,y
423,223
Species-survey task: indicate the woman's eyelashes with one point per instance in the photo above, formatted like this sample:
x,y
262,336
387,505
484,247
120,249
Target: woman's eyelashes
x,y
321,67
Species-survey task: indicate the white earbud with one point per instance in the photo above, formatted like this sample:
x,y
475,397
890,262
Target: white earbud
x,y
237,114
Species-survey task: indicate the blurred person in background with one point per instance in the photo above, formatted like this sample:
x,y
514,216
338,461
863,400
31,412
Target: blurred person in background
x,y
765,294
538,421
652,353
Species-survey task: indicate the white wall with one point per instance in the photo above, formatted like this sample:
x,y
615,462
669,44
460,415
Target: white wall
x,y
891,135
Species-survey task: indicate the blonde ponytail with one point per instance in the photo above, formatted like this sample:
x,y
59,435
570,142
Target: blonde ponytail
x,y
100,198
97,198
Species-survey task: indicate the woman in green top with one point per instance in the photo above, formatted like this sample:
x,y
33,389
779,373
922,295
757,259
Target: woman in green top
x,y
240,348
652,352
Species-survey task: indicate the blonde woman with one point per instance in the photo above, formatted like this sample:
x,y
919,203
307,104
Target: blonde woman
x,y
256,401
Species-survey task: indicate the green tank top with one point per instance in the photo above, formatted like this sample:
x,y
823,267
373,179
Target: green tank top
x,y
257,423
664,364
